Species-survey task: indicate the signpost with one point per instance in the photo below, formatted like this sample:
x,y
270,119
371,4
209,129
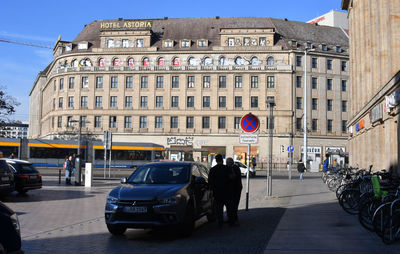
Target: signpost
x,y
290,149
249,124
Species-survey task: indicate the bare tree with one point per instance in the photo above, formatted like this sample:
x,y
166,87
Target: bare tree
x,y
7,105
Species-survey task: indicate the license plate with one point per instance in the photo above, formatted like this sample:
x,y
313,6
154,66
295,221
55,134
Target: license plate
x,y
5,178
135,209
32,177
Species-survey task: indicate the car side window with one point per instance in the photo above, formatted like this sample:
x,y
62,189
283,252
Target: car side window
x,y
203,171
195,170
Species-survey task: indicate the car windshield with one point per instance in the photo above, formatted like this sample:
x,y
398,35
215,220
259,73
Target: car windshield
x,y
24,168
160,174
240,164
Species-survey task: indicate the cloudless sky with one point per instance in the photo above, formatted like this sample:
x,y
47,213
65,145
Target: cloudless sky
x,y
42,21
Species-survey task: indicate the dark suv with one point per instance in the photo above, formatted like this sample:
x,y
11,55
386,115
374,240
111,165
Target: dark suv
x,y
160,194
6,178
26,177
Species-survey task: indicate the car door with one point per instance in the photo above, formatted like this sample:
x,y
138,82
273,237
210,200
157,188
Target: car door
x,y
207,197
200,188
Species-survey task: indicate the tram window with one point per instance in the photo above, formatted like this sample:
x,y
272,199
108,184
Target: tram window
x,y
8,150
53,153
124,155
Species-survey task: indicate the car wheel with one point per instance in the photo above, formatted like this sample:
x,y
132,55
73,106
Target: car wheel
x,y
116,229
187,225
252,174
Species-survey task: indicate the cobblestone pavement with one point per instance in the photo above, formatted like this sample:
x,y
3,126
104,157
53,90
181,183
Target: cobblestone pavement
x,y
70,219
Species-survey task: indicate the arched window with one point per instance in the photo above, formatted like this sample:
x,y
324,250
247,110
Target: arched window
x,y
207,61
116,62
176,61
270,60
131,62
254,61
191,61
239,61
85,62
161,61
222,61
145,61
102,62
74,63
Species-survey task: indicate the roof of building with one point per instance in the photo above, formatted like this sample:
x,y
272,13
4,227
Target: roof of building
x,y
209,28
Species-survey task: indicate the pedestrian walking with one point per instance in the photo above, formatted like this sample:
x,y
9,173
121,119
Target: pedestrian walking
x,y
236,181
325,167
301,168
68,170
219,180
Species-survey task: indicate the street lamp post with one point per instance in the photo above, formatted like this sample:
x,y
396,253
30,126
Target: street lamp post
x,y
305,107
79,168
270,104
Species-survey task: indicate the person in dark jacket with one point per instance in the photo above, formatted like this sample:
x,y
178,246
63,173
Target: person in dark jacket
x,y
236,179
68,170
218,179
301,168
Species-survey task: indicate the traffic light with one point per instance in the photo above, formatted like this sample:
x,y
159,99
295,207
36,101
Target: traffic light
x,y
282,148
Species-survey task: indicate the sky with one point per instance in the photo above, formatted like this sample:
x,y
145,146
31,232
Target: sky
x,y
42,21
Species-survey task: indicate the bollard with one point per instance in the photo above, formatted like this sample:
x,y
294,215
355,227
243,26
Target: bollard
x,y
59,176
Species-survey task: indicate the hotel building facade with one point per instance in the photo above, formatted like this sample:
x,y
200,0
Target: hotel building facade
x,y
186,83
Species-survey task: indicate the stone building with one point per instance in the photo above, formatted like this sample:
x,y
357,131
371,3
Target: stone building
x,y
375,82
186,83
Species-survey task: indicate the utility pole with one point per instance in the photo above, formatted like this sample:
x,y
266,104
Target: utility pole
x,y
270,104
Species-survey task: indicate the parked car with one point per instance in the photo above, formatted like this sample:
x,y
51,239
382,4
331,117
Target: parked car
x,y
10,236
158,195
243,169
26,177
6,178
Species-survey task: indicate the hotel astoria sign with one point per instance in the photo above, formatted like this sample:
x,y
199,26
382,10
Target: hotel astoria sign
x,y
132,24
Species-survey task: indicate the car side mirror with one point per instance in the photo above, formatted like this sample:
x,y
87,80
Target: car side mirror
x,y
123,180
200,180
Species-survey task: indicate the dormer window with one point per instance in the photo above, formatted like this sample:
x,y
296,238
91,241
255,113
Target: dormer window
x,y
110,43
294,44
324,47
202,43
309,45
338,49
83,45
139,43
185,44
168,44
68,48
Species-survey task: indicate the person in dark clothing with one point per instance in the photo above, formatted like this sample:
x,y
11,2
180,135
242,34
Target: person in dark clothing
x,y
236,179
301,168
221,186
68,170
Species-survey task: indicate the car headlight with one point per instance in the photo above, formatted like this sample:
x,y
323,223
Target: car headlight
x,y
112,200
172,200
15,222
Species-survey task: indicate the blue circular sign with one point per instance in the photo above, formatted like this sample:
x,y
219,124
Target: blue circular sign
x,y
290,148
249,123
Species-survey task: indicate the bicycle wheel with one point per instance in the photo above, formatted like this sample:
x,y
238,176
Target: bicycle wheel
x,y
340,189
348,200
381,218
391,232
366,212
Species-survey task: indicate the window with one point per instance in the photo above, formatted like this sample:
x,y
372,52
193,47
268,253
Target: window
x,y
231,41
70,102
329,125
97,121
270,120
128,122
83,121
344,66
221,122
314,104
128,101
238,82
270,82
143,122
324,47
329,105
299,101
125,43
206,82
190,102
237,123
185,44
338,49
254,101
60,102
189,122
238,101
84,101
145,61
102,62
205,122
160,82
144,82
344,124
314,83
222,81
329,64
314,124
139,43
168,44
114,82
174,122
270,61
99,101
207,61
222,101
110,43
254,81
99,82
298,60
190,83
143,101
59,121
175,81
115,62
314,62
158,123
344,106
174,102
298,124
129,82
113,122
61,83
85,82
159,101
298,81
113,101
344,85
329,84
202,43
71,83
222,61
131,62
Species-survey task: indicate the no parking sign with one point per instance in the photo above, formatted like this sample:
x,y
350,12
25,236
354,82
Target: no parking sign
x,y
249,123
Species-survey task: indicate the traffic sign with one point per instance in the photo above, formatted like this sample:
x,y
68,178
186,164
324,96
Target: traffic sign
x,y
249,123
290,149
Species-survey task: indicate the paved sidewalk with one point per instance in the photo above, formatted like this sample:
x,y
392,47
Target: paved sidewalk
x,y
314,222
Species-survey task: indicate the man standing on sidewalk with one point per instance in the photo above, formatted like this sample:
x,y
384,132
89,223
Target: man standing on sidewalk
x,y
236,179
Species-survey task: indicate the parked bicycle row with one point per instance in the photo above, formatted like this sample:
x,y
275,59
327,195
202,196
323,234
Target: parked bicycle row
x,y
373,196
